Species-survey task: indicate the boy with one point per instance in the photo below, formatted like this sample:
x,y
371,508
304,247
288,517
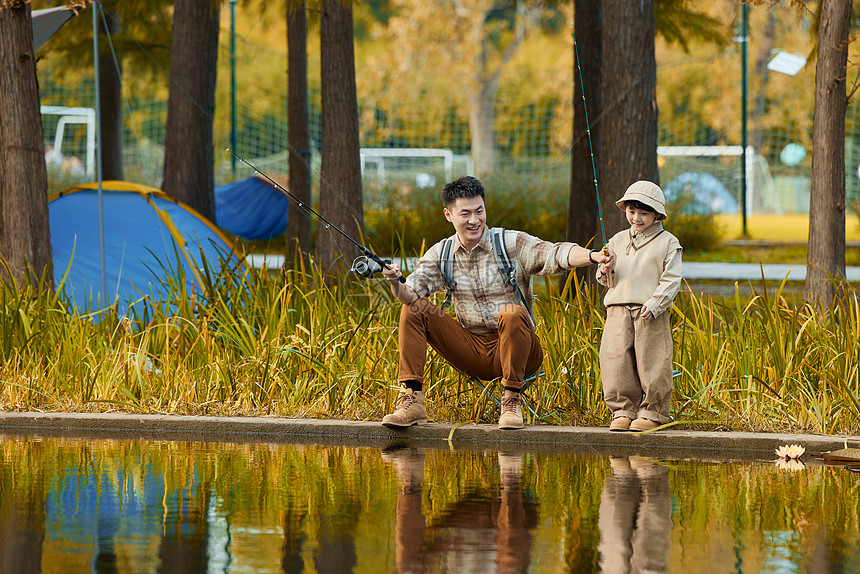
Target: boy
x,y
636,348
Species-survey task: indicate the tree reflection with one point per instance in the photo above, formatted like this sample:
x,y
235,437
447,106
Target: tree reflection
x,y
22,508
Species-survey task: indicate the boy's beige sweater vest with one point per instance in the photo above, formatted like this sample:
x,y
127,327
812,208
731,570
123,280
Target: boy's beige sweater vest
x,y
647,271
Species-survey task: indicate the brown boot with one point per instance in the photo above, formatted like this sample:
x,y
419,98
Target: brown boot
x,y
512,414
408,465
410,411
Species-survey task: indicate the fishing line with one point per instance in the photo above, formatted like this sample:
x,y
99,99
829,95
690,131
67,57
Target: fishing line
x,y
564,152
121,84
290,149
588,131
328,224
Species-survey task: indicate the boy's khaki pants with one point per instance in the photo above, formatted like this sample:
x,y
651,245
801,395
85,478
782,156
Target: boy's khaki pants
x,y
511,354
636,359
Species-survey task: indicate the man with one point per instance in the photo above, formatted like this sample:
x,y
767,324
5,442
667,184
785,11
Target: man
x,y
494,334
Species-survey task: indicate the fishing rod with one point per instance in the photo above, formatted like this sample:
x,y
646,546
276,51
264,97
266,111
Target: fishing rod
x,y
367,267
591,152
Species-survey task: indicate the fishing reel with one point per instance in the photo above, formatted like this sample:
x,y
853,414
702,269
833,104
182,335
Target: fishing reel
x,y
366,267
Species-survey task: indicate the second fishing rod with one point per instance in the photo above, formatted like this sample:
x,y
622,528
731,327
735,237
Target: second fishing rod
x,y
366,268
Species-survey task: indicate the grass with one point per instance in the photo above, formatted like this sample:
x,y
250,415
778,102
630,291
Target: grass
x,y
297,346
785,228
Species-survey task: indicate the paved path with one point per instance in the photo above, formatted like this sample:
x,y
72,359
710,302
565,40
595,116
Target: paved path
x,y
752,271
668,443
692,269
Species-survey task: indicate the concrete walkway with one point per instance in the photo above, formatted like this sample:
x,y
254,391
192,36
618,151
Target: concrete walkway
x,y
668,443
693,270
752,271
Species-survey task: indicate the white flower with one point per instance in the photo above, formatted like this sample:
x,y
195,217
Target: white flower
x,y
790,451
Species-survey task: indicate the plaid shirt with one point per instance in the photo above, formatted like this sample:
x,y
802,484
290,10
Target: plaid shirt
x,y
481,292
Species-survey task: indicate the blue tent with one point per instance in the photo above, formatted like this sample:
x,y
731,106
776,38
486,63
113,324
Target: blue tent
x,y
147,236
251,208
708,192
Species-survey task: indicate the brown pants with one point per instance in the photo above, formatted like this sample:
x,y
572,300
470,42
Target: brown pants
x,y
636,359
511,354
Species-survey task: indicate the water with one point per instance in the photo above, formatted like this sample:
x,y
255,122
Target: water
x,y
73,505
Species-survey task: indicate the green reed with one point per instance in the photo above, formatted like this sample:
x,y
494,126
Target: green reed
x,y
293,344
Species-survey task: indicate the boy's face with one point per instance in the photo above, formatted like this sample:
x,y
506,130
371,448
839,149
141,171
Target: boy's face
x,y
469,218
639,219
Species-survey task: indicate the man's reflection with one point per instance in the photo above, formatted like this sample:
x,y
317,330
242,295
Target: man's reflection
x,y
635,517
460,533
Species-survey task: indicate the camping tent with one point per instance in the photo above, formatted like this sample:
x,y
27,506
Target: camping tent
x,y
251,208
46,22
147,234
708,193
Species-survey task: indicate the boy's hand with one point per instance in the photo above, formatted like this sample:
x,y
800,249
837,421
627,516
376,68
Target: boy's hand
x,y
607,262
645,313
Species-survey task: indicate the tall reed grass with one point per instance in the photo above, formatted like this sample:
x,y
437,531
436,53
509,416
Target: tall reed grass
x,y
261,343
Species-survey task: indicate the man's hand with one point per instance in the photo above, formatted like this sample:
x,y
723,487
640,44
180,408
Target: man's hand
x,y
402,292
392,273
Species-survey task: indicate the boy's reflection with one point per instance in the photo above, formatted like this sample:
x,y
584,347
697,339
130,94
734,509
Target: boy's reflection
x,y
635,517
460,534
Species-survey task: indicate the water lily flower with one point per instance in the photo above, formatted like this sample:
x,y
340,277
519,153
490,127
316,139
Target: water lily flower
x,y
788,452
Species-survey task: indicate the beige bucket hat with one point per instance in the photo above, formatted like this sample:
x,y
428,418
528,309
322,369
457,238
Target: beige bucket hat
x,y
648,193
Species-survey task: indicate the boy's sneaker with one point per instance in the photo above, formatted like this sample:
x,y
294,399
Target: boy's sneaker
x,y
642,424
410,411
620,424
512,414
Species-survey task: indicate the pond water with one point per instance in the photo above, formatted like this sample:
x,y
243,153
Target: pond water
x,y
74,505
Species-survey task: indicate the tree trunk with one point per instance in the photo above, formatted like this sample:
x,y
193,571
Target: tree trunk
x,y
110,96
25,236
583,220
826,252
761,71
628,96
188,148
298,138
340,175
481,120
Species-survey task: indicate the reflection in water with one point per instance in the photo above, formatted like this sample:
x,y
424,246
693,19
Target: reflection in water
x,y
635,517
104,506
475,518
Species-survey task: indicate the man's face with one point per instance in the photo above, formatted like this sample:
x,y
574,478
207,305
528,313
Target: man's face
x,y
469,219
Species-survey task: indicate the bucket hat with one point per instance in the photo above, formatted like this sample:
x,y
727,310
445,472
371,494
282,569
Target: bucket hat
x,y
647,193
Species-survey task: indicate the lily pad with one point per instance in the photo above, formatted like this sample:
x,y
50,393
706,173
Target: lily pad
x,y
841,455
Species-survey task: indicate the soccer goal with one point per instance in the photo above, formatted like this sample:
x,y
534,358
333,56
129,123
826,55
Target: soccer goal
x,y
418,165
63,141
713,175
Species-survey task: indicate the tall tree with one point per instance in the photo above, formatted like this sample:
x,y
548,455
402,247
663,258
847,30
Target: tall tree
x,y
583,222
189,158
487,50
340,174
110,97
628,132
618,90
136,38
474,46
826,250
298,134
25,237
